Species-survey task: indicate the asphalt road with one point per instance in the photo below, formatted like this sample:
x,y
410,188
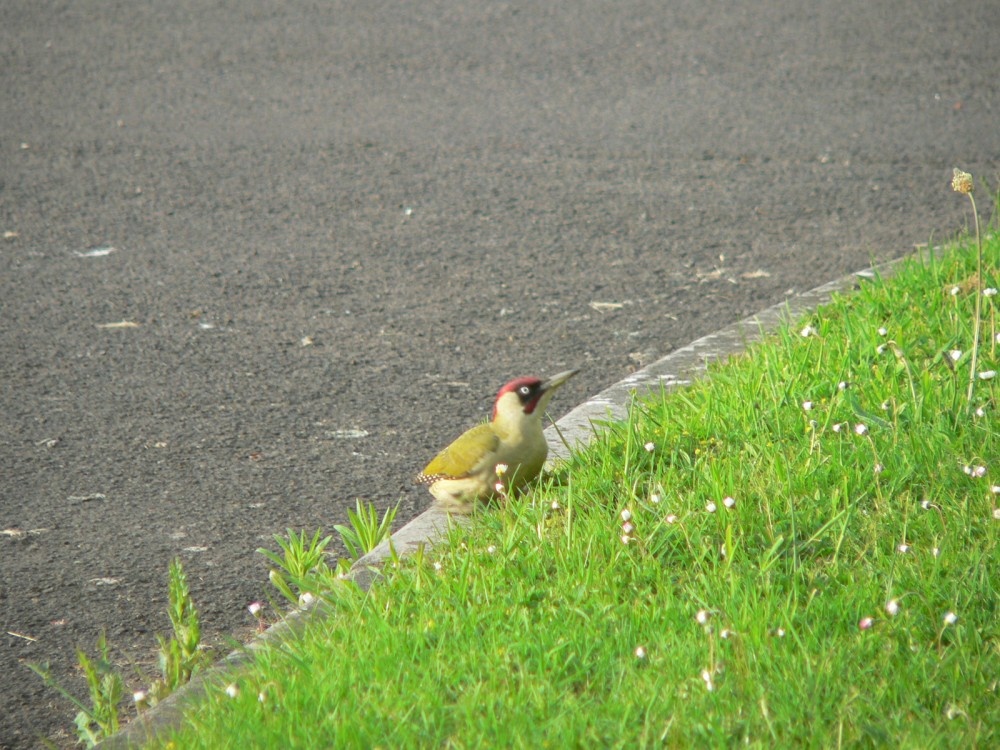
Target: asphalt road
x,y
339,227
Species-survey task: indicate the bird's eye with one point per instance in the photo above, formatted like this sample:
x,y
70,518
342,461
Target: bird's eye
x,y
524,390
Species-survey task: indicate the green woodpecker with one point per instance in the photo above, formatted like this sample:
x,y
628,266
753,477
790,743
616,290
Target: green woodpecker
x,y
466,472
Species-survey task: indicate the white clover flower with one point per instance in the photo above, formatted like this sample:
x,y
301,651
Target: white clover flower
x,y
882,331
903,548
728,502
640,653
865,623
711,507
860,429
232,690
707,677
987,374
807,405
950,618
626,515
702,616
892,607
650,447
955,354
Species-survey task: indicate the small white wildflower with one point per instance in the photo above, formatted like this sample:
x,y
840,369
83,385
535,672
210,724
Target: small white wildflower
x,y
437,565
555,505
499,488
626,515
640,653
139,696
707,677
990,291
987,374
995,489
807,332
780,632
955,354
842,385
650,447
880,349
232,690
936,551
626,539
996,514
978,471
885,406
501,469
807,405
954,291
725,633
882,331
860,429
728,502
261,697
950,618
878,468
997,338
722,550
980,411
671,518
926,504
654,498
711,507
837,427
491,550
702,616
628,527
892,607
254,608
305,599
903,548
865,623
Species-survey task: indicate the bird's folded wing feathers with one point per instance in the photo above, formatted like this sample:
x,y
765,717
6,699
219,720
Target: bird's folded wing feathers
x,y
463,456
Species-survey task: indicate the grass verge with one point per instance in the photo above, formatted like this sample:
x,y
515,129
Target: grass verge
x,y
800,550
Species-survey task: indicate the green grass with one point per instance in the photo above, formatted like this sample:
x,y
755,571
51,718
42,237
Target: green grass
x,y
523,630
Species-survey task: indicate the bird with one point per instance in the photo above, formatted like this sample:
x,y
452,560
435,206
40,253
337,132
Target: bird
x,y
497,457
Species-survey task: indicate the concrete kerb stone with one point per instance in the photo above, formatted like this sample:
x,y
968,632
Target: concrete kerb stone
x,y
576,429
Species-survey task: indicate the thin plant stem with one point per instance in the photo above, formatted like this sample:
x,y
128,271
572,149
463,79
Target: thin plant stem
x,y
977,323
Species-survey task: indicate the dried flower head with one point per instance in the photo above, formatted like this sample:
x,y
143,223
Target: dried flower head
x,y
961,182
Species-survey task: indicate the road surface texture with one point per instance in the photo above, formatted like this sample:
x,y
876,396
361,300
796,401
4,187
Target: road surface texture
x,y
260,259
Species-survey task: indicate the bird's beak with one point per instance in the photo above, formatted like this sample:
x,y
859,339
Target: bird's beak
x,y
557,380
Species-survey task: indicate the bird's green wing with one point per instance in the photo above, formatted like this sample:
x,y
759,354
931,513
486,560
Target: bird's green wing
x,y
465,454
